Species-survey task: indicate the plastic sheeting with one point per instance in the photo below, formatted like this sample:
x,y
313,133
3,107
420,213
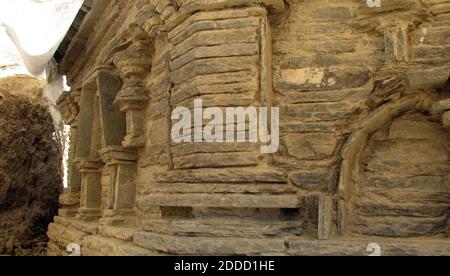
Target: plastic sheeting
x,y
30,34
32,31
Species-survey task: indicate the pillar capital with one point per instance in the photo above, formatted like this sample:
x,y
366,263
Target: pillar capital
x,y
116,154
68,106
86,165
133,64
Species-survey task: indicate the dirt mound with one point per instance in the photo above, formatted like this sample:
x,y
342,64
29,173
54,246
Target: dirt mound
x,y
30,168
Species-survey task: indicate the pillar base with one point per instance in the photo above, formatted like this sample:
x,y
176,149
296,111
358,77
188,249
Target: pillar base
x,y
86,214
118,218
68,212
70,199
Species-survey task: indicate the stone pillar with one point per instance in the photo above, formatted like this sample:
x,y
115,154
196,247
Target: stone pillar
x,y
134,64
68,105
90,203
121,185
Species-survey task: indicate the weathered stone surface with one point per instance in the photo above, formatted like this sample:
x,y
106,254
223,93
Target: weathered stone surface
x,y
214,66
311,145
211,246
209,160
229,50
314,78
317,180
221,201
216,37
100,246
204,148
360,248
325,217
363,153
428,78
400,227
231,175
412,205
215,228
219,188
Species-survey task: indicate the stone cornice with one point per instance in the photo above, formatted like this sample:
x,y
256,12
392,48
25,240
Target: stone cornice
x,y
85,165
159,16
78,42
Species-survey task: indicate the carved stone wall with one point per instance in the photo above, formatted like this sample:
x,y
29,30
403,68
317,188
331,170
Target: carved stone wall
x,y
364,117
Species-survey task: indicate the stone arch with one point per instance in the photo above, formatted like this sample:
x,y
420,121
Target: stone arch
x,y
353,151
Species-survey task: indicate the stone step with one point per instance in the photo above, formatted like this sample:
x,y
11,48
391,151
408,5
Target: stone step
x,y
100,246
359,247
395,226
64,235
120,233
223,227
171,244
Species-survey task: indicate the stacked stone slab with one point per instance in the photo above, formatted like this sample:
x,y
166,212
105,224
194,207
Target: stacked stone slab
x,y
364,150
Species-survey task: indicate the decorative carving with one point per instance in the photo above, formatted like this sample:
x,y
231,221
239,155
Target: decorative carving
x,y
134,64
68,105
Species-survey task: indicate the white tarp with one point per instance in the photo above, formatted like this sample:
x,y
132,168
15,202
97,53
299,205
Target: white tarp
x,y
31,31
30,34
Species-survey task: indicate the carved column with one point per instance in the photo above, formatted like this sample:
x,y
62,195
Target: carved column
x,y
90,203
134,64
68,105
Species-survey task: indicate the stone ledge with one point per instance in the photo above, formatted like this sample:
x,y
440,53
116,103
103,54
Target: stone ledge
x,y
100,246
358,247
170,244
249,228
220,201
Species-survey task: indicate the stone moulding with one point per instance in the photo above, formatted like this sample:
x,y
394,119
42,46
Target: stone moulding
x,y
165,16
